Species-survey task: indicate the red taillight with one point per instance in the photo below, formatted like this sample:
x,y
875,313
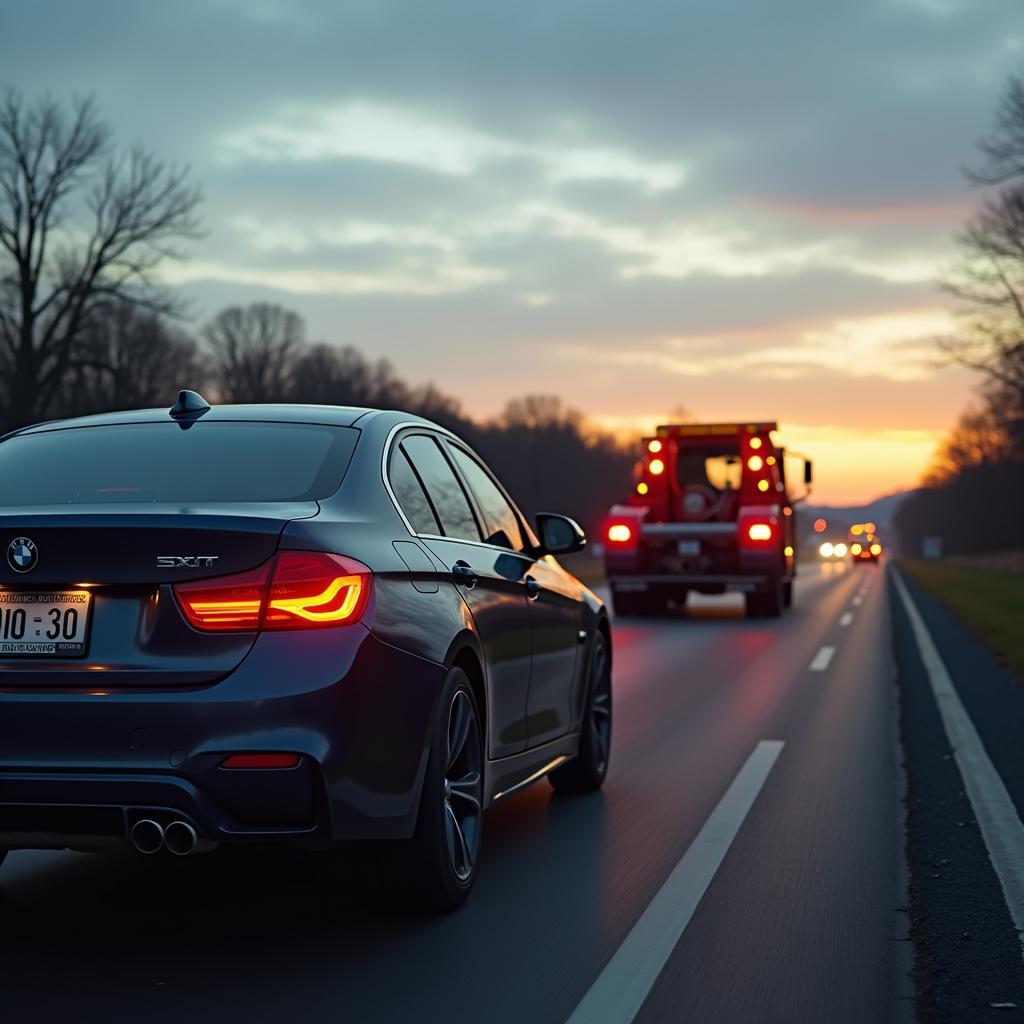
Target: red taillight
x,y
295,590
759,528
622,536
260,761
310,588
228,604
620,533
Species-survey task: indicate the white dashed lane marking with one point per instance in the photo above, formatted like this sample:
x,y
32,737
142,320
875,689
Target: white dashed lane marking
x,y
822,659
626,981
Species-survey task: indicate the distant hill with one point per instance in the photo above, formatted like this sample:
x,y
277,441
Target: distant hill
x,y
841,517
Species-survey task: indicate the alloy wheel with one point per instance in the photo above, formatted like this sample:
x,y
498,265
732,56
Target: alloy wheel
x,y
462,785
600,708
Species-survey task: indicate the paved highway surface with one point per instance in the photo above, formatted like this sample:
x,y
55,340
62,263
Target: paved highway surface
x,y
744,862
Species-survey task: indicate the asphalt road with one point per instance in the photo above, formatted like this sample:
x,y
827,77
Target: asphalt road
x,y
800,921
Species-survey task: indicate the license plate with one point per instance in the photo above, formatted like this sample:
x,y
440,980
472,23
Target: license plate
x,y
44,624
689,547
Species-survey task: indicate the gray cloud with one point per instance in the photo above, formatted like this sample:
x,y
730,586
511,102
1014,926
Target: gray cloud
x,y
817,148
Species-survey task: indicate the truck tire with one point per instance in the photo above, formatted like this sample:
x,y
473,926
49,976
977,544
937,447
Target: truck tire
x,y
766,603
630,604
787,593
624,605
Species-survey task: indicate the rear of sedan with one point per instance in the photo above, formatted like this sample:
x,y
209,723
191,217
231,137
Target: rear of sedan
x,y
865,549
182,662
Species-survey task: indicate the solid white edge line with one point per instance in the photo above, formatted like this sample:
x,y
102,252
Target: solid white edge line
x,y
846,618
822,659
621,988
997,817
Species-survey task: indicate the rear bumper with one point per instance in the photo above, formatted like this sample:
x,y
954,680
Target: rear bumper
x,y
683,581
355,709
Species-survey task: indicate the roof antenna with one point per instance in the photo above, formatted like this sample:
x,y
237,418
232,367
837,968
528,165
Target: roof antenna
x,y
188,408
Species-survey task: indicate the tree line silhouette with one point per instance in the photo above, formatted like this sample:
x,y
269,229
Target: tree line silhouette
x,y
542,451
973,494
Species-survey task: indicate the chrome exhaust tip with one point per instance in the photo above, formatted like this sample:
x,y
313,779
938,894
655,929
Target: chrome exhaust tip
x,y
147,836
180,838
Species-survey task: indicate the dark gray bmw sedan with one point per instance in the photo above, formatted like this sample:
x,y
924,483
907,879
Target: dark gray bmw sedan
x,y
294,624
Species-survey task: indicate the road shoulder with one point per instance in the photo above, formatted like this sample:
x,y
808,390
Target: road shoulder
x,y
967,952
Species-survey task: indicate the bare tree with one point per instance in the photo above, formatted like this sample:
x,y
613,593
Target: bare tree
x,y
1004,148
989,284
254,349
539,412
127,358
80,227
988,281
327,374
979,438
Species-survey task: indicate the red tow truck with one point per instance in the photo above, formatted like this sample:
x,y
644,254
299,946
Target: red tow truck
x,y
711,511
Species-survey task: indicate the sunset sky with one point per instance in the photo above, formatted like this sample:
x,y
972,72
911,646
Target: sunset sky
x,y
736,208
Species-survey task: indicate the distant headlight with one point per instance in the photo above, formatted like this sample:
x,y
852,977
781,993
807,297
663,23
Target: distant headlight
x,y
826,550
839,550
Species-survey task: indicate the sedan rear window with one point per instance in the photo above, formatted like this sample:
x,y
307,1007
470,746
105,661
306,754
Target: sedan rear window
x,y
160,462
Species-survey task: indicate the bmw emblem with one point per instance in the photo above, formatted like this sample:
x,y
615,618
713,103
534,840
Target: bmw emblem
x,y
22,554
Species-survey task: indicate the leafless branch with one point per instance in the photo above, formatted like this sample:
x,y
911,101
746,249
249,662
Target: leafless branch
x,y
80,226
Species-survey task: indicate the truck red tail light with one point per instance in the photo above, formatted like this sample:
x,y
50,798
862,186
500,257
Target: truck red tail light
x,y
759,528
620,534
294,590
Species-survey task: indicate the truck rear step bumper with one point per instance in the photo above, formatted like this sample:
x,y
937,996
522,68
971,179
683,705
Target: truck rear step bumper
x,y
639,584
688,529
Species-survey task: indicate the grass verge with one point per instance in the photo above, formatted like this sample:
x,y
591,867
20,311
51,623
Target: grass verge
x,y
989,601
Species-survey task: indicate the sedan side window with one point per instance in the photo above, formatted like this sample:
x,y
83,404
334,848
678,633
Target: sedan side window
x,y
411,496
443,488
501,524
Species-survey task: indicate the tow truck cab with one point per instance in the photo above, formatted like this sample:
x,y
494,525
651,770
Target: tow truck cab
x,y
711,511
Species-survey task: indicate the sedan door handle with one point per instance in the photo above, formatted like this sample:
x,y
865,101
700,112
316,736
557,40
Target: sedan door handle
x,y
532,588
465,574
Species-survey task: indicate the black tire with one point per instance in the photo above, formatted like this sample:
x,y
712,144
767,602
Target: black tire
x,y
768,602
624,605
587,771
787,593
446,846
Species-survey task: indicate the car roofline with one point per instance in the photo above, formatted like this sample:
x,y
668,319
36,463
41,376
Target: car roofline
x,y
328,415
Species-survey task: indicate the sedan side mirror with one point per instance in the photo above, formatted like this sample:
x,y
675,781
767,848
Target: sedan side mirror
x,y
559,535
